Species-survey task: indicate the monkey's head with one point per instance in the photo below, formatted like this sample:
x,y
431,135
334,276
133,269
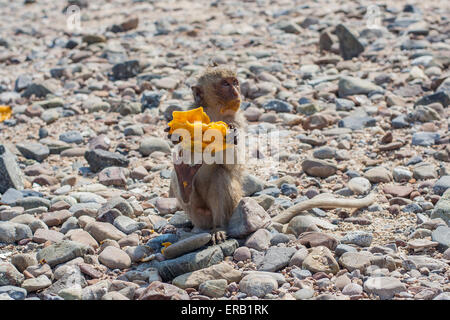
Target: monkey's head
x,y
218,92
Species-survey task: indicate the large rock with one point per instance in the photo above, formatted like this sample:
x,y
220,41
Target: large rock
x,y
248,217
10,174
320,259
442,185
349,45
219,271
35,284
150,145
103,230
257,285
99,159
169,269
251,185
35,151
355,260
11,232
349,86
442,208
319,168
61,252
9,276
114,258
378,174
125,70
186,245
163,291
315,239
384,287
442,236
276,258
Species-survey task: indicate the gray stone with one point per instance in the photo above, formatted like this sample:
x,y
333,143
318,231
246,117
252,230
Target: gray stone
x,y
99,159
35,284
187,245
32,203
442,236
125,70
128,225
190,262
442,208
359,185
150,145
12,232
35,151
442,185
9,275
10,174
278,106
71,137
251,185
61,252
248,217
355,261
351,86
360,238
304,294
259,240
213,288
349,44
424,139
276,258
15,293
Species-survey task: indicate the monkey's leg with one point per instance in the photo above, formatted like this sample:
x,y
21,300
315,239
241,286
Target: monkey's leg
x,y
221,203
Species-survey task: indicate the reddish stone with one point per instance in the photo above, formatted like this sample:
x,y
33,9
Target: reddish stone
x,y
163,291
60,205
56,218
90,271
398,191
315,239
45,180
112,176
139,173
36,170
43,235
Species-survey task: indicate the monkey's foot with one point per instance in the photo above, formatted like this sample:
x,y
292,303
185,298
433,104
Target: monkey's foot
x,y
218,236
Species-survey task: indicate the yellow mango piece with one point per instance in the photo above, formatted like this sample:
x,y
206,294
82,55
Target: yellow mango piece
x,y
5,113
197,120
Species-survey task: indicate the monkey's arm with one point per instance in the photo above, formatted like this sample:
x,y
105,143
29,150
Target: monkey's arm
x,y
325,203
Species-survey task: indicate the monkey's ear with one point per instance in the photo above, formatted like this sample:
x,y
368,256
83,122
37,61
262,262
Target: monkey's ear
x,y
198,95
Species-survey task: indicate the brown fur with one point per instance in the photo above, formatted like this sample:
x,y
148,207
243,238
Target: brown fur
x,y
216,188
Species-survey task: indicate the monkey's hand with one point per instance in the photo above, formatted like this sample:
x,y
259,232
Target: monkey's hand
x,y
172,137
233,135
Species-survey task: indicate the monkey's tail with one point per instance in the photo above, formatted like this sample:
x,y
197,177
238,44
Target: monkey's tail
x,y
325,203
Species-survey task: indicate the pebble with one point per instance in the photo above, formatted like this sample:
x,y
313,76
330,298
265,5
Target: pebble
x,y
257,285
384,287
114,258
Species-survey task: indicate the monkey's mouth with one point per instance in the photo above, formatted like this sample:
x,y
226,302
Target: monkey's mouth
x,y
231,107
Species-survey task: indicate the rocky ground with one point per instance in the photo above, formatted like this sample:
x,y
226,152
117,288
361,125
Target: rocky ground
x,y
358,95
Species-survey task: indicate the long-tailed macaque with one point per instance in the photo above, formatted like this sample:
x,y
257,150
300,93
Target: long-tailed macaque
x,y
209,193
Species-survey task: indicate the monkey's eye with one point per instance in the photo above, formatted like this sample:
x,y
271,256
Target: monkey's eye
x,y
225,83
235,82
